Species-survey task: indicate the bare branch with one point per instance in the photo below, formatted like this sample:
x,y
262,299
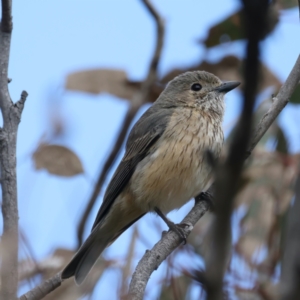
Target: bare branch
x,y
43,289
140,98
11,114
154,257
6,19
106,168
278,104
148,262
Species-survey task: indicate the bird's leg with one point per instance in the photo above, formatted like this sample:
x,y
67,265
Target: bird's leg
x,y
172,226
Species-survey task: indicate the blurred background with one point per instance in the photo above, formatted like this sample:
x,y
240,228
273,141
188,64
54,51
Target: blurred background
x,y
82,62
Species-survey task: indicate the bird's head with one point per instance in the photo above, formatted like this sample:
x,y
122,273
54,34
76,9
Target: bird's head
x,y
199,90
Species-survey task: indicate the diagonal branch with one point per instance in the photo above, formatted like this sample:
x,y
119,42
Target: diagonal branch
x,y
140,98
153,258
43,289
140,278
105,170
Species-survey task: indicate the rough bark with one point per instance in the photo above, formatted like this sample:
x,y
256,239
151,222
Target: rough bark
x,y
11,114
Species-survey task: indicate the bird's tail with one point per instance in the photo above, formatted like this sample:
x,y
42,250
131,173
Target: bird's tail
x,y
85,258
106,232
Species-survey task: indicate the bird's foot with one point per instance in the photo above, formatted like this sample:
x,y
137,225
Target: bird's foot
x,y
208,197
180,229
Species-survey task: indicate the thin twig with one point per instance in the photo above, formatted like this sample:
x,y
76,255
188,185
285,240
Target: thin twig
x,y
105,170
278,104
140,98
11,114
43,289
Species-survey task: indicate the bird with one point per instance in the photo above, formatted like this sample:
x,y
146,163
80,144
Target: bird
x,y
164,165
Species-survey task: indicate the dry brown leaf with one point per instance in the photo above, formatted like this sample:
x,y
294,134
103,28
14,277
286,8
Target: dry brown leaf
x,y
229,68
114,82
267,197
97,81
57,160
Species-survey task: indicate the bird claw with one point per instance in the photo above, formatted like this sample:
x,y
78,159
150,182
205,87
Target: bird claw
x,y
180,229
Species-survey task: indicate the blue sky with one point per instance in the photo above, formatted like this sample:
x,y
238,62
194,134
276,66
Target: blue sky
x,y
54,38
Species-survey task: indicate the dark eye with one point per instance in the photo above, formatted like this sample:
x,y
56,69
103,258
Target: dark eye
x,y
196,87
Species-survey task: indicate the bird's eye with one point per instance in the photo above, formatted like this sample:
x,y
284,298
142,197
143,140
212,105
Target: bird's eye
x,y
196,87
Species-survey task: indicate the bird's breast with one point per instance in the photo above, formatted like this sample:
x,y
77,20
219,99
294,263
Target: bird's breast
x,y
176,169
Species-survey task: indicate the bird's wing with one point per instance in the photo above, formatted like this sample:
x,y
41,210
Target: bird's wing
x,y
144,134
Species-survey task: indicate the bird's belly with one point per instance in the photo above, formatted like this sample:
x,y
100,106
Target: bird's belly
x,y
170,177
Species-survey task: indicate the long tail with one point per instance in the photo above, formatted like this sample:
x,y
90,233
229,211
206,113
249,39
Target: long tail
x,y
85,258
103,235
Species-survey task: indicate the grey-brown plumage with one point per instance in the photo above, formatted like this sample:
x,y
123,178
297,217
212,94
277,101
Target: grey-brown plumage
x,y
163,166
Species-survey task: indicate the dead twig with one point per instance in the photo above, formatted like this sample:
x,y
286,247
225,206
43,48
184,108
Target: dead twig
x,y
43,289
140,98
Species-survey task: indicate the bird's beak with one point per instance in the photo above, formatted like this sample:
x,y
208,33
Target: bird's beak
x,y
227,86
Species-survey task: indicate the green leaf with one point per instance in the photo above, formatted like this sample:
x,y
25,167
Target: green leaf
x,y
231,28
226,31
296,95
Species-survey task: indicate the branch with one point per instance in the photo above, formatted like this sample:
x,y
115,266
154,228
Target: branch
x,y
148,262
169,242
106,168
43,289
229,172
11,114
140,98
278,104
290,276
6,19
153,258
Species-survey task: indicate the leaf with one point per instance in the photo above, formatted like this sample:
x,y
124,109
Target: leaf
x,y
296,95
266,197
229,68
285,4
176,289
114,82
97,81
231,28
227,30
57,160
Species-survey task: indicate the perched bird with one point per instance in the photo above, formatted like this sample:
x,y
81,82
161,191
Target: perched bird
x,y
164,165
